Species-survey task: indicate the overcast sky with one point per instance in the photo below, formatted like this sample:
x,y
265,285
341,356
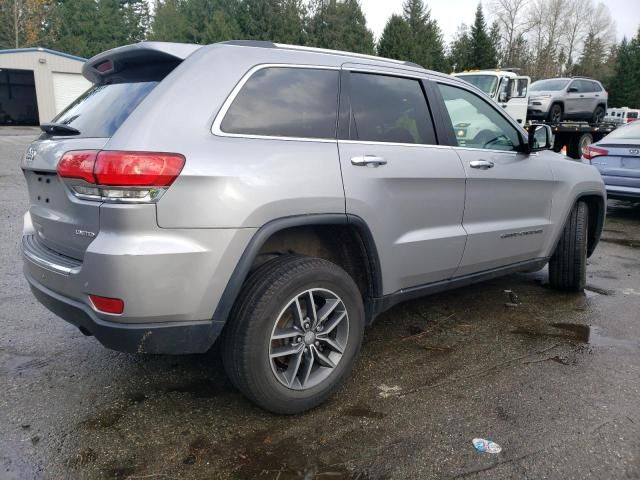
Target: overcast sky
x,y
451,13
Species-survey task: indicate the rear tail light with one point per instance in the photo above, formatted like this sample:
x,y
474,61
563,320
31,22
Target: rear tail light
x,y
592,152
107,304
120,176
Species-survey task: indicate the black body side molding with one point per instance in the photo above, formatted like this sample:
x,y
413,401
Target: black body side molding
x,y
240,273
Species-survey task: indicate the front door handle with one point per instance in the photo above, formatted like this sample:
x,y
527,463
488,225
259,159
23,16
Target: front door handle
x,y
481,164
368,161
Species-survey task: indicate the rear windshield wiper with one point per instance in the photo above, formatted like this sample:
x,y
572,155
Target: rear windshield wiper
x,y
58,129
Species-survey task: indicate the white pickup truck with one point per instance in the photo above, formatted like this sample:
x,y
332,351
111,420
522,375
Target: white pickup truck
x,y
505,86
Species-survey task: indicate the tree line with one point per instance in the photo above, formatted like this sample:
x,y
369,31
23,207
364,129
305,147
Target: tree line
x,y
543,38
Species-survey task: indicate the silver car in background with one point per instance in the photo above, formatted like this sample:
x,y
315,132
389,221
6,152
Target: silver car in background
x,y
617,157
558,99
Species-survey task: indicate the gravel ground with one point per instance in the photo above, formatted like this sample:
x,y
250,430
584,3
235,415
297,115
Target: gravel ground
x,y
555,381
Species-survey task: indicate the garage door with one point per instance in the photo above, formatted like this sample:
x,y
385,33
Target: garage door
x,y
18,103
67,87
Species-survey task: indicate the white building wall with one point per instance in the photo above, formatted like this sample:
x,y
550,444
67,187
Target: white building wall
x,y
44,65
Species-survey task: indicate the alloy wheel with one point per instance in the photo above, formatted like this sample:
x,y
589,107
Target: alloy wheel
x,y
308,339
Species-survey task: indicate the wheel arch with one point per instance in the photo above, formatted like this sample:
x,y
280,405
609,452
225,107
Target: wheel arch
x,y
597,211
597,207
249,259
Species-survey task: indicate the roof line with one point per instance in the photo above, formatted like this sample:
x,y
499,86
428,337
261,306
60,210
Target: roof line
x,y
45,50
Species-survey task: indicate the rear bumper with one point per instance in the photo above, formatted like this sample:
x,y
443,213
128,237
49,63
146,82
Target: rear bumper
x,y
623,193
624,188
165,338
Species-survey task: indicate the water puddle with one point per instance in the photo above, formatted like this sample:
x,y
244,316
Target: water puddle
x,y
578,333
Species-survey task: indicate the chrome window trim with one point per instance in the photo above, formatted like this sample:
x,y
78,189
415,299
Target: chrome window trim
x,y
371,142
390,71
217,122
328,51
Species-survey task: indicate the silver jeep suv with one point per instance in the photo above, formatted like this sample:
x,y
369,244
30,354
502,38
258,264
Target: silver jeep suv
x,y
558,99
280,198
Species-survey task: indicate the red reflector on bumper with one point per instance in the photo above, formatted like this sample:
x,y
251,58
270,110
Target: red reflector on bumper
x,y
106,304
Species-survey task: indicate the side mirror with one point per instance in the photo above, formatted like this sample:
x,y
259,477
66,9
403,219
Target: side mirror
x,y
572,90
540,137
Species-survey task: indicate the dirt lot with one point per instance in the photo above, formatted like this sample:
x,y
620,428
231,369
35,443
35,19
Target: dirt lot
x,y
555,381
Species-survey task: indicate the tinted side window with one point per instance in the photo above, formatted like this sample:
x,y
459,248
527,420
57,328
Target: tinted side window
x,y
286,102
389,109
477,124
595,87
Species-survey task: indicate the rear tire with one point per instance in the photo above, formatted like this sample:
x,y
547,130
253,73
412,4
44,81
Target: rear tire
x,y
555,113
568,265
577,147
267,311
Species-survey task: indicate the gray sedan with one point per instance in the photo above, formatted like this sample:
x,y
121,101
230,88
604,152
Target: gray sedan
x,y
617,157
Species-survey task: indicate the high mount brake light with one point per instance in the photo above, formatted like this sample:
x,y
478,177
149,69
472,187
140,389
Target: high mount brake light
x,y
592,152
120,176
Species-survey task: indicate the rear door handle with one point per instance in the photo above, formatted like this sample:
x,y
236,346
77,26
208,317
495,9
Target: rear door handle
x,y
481,164
368,161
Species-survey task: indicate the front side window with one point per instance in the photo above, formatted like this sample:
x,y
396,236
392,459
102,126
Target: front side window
x,y
389,109
286,102
477,124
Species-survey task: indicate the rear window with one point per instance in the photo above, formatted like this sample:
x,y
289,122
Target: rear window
x,y
101,110
286,102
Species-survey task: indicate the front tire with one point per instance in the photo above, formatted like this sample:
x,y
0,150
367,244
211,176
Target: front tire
x,y
294,334
555,113
568,265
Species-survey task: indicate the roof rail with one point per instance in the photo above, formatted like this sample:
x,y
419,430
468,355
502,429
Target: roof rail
x,y
327,51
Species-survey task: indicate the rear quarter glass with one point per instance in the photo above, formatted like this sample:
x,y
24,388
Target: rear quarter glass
x,y
101,110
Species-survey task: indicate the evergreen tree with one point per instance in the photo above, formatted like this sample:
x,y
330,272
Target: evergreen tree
x,y
592,59
196,21
170,23
496,41
624,90
483,50
460,50
87,27
395,41
426,42
340,25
